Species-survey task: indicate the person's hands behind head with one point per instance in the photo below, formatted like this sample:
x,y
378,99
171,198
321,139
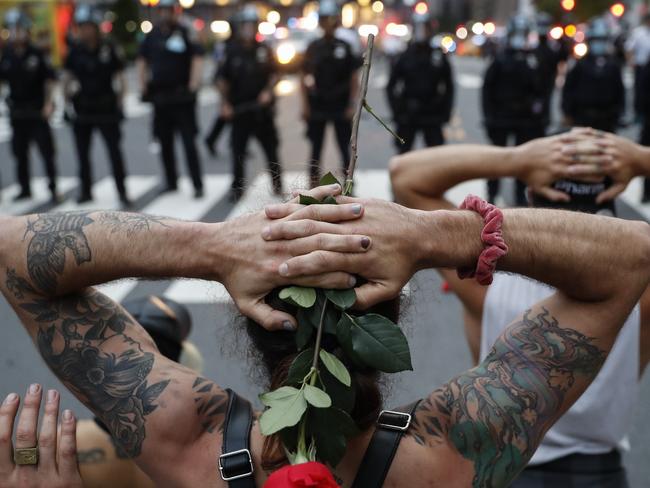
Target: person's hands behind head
x,y
57,448
387,266
252,265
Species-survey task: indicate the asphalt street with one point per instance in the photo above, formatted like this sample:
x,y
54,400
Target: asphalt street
x,y
432,319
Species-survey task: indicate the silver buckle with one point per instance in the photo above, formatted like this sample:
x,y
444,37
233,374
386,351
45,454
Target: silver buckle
x,y
405,416
231,454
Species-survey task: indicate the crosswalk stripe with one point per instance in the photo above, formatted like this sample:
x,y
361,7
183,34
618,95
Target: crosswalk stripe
x,y
471,82
105,194
40,192
177,205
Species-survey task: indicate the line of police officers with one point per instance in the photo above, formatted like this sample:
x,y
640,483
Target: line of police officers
x,y
516,95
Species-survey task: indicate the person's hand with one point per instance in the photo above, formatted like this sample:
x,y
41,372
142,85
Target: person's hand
x,y
253,261
265,98
387,265
57,448
48,110
227,111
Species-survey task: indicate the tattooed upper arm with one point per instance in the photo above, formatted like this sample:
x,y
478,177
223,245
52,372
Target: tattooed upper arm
x,y
495,415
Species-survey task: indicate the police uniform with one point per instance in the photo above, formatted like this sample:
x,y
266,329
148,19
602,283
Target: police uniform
x,y
421,94
169,53
27,73
513,100
248,70
329,66
594,94
96,106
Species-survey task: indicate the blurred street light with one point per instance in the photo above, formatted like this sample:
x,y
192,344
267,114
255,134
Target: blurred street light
x,y
186,3
348,15
146,26
489,28
461,32
570,30
397,30
266,28
617,10
286,3
366,29
220,27
377,7
364,3
568,5
274,17
557,32
478,28
421,8
285,53
580,49
222,3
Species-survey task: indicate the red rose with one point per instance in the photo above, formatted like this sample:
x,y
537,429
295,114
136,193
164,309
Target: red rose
x,y
307,475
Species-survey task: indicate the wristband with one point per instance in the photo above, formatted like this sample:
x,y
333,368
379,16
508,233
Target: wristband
x,y
492,237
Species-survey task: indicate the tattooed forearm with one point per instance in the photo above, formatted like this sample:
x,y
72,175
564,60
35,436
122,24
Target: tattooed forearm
x,y
91,456
83,339
497,413
50,236
211,404
130,223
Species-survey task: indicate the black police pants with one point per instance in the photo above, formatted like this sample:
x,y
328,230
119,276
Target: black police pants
x,y
111,134
26,131
217,129
262,126
432,135
499,137
316,134
170,119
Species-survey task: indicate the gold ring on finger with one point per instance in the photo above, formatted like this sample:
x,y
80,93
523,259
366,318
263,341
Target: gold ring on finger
x,y
26,456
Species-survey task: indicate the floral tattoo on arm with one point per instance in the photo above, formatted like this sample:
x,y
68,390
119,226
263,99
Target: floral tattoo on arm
x,y
496,414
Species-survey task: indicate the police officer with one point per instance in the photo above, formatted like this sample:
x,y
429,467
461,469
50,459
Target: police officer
x,y
594,94
170,68
513,97
30,77
245,81
420,88
329,83
91,68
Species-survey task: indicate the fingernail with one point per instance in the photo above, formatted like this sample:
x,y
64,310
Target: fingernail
x,y
356,209
286,325
51,396
365,242
67,415
11,397
352,281
284,269
266,233
34,388
335,186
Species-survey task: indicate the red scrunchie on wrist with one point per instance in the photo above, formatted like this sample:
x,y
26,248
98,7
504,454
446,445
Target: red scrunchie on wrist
x,y
492,237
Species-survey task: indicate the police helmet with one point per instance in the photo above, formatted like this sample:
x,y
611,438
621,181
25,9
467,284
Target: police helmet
x,y
598,29
519,25
248,14
16,18
85,14
168,322
328,8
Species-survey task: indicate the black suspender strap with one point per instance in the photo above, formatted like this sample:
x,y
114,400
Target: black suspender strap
x,y
391,426
236,462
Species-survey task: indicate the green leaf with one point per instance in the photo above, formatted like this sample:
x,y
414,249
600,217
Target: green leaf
x,y
307,200
317,397
300,367
342,396
285,413
344,336
330,200
378,343
305,329
326,419
329,179
278,396
343,299
330,447
299,296
336,367
331,315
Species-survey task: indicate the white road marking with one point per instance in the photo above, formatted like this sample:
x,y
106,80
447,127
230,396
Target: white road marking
x,y
40,192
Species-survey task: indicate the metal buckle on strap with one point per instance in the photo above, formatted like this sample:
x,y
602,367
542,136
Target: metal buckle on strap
x,y
247,453
389,419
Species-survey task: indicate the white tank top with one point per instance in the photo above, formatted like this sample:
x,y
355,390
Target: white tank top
x,y
598,422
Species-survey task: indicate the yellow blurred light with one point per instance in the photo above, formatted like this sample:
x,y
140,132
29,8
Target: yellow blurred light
x,y
284,88
568,5
266,28
274,17
364,3
397,30
286,3
557,32
478,28
421,8
285,53
447,42
146,26
144,2
489,28
222,3
461,32
186,3
377,7
310,8
617,10
220,27
580,49
570,30
366,29
348,15
152,3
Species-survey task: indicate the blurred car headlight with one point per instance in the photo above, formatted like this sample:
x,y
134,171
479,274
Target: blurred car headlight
x,y
285,53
